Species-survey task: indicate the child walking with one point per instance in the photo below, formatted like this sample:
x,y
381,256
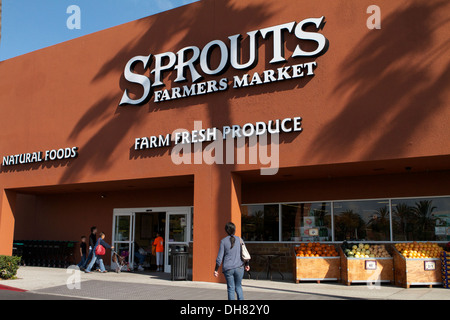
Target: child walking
x,y
83,252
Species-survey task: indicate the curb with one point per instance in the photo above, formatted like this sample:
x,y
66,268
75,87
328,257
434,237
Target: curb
x,y
3,287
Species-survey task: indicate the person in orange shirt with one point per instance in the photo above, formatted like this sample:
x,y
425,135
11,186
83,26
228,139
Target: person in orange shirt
x,y
158,243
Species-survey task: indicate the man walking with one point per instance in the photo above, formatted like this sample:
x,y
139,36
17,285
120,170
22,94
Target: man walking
x,y
92,243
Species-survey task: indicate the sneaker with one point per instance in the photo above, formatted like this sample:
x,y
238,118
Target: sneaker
x,y
140,268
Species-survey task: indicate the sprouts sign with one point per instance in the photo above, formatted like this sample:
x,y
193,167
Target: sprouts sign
x,y
196,62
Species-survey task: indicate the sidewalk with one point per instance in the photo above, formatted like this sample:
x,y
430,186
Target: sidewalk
x,y
158,286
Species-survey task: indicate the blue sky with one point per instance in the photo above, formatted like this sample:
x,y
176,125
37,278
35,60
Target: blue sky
x,y
28,25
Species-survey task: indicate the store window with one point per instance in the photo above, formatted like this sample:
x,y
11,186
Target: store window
x,y
409,219
260,222
367,220
306,221
421,219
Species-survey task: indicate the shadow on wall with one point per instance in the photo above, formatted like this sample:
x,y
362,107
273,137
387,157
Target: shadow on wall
x,y
37,166
190,24
390,83
160,30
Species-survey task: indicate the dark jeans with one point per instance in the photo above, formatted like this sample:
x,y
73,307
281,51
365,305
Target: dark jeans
x,y
83,261
140,257
234,283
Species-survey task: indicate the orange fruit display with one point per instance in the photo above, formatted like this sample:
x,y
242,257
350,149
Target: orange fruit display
x,y
315,249
419,250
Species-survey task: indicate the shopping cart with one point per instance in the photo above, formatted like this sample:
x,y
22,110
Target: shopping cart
x,y
120,261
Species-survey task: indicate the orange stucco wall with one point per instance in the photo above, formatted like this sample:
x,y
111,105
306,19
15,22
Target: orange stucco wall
x,y
378,96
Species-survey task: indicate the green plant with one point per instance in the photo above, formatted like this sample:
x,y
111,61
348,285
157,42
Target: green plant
x,y
9,266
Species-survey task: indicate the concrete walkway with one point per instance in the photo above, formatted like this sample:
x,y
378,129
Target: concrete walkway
x,y
158,286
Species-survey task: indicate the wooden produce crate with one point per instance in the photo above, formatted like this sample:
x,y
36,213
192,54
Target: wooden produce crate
x,y
416,271
317,268
366,270
321,268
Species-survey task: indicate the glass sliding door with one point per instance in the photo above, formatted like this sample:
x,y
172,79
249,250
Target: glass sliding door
x,y
123,236
178,227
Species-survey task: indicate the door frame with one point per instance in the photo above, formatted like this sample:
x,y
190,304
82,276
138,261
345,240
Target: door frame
x,y
132,231
186,212
168,210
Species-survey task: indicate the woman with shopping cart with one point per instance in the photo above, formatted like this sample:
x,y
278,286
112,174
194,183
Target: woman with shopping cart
x,y
98,253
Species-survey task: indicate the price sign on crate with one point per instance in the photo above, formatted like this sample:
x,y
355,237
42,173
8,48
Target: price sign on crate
x,y
429,265
371,265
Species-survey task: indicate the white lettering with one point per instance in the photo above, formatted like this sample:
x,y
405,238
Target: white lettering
x,y
235,49
185,61
204,57
322,42
240,82
159,67
181,65
278,45
136,78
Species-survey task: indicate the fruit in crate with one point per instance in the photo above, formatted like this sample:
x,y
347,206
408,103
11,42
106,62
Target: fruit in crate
x,y
315,249
419,250
367,251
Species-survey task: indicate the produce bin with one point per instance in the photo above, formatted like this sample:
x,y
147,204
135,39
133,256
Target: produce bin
x,y
370,269
416,271
324,267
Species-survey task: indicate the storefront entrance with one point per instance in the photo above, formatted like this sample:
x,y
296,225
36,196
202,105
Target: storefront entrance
x,y
134,229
